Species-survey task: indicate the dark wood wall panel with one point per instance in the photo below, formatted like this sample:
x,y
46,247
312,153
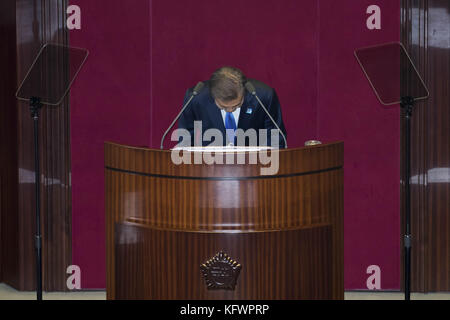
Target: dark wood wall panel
x,y
35,23
438,33
57,227
8,143
28,44
426,35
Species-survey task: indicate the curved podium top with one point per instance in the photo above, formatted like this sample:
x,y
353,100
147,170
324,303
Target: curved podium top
x,y
159,163
155,191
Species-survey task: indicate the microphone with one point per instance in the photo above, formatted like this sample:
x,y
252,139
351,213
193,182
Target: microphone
x,y
195,92
250,88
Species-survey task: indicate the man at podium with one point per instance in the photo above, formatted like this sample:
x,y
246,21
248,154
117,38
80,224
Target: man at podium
x,y
226,105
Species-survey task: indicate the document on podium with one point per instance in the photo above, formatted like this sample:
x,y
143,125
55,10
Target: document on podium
x,y
223,149
266,157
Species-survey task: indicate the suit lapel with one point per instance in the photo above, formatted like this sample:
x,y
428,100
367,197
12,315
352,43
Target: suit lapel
x,y
246,115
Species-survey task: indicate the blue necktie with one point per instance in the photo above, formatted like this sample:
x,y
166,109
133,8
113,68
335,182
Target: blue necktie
x,y
230,124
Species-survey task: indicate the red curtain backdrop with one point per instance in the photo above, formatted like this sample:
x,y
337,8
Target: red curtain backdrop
x,y
144,54
110,101
348,110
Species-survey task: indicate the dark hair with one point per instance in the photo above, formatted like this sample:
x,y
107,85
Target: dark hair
x,y
227,84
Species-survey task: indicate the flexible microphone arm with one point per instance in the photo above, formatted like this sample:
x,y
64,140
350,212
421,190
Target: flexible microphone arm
x,y
195,92
250,88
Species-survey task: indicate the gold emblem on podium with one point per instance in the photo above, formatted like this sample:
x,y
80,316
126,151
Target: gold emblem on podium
x,y
220,272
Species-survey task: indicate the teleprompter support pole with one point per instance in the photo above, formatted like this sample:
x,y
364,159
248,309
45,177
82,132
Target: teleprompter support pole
x,y
407,104
35,107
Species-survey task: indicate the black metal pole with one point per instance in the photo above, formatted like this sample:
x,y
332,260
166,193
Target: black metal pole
x,y
35,106
407,104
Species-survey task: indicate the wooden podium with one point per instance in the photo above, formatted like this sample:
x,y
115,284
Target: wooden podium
x,y
224,231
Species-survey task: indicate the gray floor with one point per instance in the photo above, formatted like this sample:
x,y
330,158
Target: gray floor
x,y
8,293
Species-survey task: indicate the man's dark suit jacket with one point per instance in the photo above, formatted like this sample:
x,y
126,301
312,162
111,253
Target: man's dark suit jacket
x,y
252,114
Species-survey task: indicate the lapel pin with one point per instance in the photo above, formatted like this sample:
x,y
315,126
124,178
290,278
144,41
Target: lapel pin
x,y
249,111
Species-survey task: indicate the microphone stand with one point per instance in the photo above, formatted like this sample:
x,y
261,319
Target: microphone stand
x,y
273,121
195,92
250,88
176,119
35,107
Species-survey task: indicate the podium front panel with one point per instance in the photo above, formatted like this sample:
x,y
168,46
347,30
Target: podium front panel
x,y
164,221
